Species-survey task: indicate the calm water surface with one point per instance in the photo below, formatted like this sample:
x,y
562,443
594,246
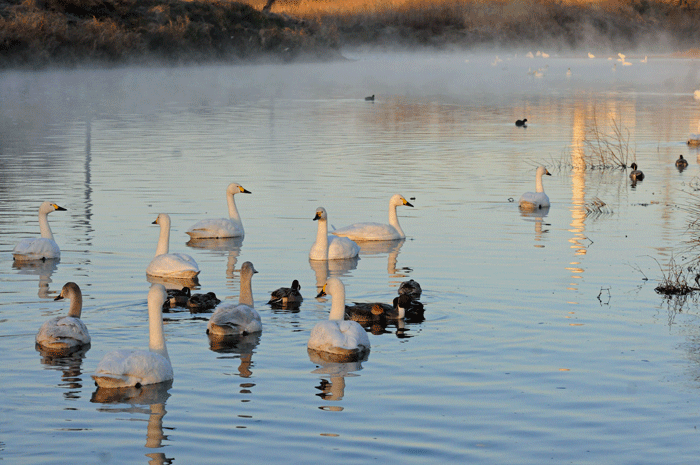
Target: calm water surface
x,y
542,339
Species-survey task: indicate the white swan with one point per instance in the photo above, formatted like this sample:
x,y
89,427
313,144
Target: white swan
x,y
330,247
343,339
44,247
217,228
377,231
124,368
538,199
64,333
170,265
230,318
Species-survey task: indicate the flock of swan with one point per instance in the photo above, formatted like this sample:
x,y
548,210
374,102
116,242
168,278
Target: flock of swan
x,y
340,338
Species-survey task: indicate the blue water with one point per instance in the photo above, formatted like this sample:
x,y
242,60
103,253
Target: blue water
x,y
543,340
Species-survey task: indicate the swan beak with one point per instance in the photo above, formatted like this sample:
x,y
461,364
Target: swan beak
x,y
407,203
156,221
317,216
57,208
59,296
547,173
323,292
244,191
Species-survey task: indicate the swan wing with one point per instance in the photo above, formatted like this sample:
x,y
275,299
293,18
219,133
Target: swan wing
x,y
123,368
369,232
216,228
173,265
340,248
36,249
63,332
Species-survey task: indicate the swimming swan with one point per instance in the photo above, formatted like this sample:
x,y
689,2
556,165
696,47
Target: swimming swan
x,y
538,199
170,265
330,247
63,333
338,337
44,247
377,231
124,368
217,228
636,175
286,295
241,318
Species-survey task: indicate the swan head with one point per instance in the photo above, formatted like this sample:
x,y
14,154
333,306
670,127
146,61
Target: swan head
x,y
235,188
70,291
157,295
399,200
247,269
48,207
333,285
321,214
163,220
541,171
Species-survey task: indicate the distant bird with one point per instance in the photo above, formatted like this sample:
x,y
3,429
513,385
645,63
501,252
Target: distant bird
x,y
370,98
696,95
286,295
530,55
197,303
521,123
568,72
636,175
681,163
496,61
644,60
590,55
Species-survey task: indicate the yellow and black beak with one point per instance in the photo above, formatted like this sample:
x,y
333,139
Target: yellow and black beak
x,y
323,290
407,203
59,297
317,216
243,190
57,208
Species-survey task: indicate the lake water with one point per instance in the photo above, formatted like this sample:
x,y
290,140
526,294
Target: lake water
x,y
543,338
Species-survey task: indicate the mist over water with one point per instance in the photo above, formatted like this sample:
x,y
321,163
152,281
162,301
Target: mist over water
x,y
542,339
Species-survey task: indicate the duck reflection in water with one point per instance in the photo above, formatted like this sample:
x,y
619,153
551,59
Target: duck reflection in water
x,y
152,395
333,374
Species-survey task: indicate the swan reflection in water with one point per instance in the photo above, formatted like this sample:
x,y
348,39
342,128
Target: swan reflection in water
x,y
70,363
42,268
174,283
220,247
324,269
151,395
333,374
537,216
239,346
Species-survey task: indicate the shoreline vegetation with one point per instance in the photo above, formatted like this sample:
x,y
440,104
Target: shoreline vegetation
x,y
36,34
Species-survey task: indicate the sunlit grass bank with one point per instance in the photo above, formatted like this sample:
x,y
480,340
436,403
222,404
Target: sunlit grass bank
x,y
42,32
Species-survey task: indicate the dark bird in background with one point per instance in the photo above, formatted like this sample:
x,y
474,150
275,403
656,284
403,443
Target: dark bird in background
x,y
370,98
521,123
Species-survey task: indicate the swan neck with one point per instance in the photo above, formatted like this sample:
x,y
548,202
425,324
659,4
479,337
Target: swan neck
x,y
44,226
76,305
321,243
232,210
163,239
394,220
337,305
246,295
538,183
155,330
